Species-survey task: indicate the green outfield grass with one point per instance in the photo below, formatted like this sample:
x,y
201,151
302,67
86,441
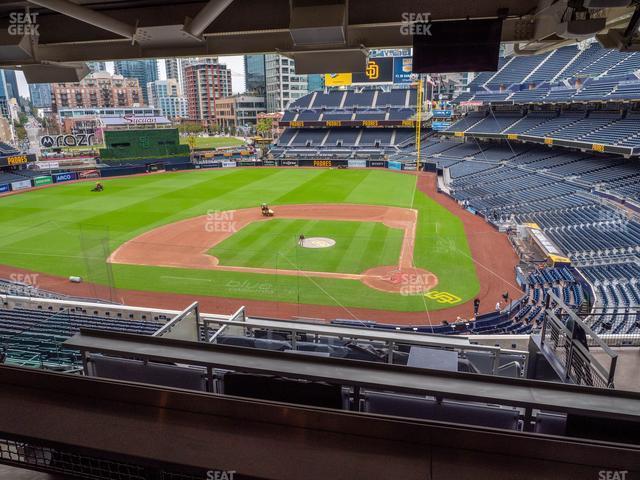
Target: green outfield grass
x,y
68,230
274,244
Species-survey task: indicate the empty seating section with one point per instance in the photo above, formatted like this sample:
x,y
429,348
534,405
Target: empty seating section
x,y
343,140
494,123
309,137
595,90
516,70
556,123
568,74
331,99
466,122
530,95
554,63
342,137
393,98
363,99
34,337
550,187
529,122
376,136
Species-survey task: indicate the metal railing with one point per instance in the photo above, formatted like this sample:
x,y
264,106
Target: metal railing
x,y
567,338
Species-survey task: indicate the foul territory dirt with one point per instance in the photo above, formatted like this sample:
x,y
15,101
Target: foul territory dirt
x,y
492,254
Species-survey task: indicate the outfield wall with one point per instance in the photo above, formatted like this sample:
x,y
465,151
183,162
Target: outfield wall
x,y
182,163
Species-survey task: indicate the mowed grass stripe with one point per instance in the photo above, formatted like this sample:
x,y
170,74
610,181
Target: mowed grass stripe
x,y
273,244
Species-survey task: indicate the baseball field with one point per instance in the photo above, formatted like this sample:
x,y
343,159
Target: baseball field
x,y
200,233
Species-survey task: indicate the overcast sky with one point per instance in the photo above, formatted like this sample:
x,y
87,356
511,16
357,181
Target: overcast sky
x,y
235,63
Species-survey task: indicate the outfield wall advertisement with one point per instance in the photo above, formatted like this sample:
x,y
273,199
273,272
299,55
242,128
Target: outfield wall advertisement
x,y
21,185
64,177
44,180
5,188
357,164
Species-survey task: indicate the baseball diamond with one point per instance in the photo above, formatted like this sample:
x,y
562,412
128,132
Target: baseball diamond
x,y
201,234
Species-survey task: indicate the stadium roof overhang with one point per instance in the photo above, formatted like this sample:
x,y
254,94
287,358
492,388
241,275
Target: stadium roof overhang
x,y
56,33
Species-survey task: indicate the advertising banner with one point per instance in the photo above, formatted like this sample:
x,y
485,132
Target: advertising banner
x,y
442,113
402,69
229,164
440,126
394,165
21,185
288,163
322,163
338,79
64,177
377,164
45,180
357,164
269,163
246,163
5,188
89,174
48,165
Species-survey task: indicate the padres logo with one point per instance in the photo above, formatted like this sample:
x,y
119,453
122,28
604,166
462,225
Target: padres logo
x,y
372,71
442,297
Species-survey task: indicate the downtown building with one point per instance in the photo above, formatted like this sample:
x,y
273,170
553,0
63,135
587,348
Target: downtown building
x,y
100,89
205,82
144,71
166,95
40,94
239,113
282,84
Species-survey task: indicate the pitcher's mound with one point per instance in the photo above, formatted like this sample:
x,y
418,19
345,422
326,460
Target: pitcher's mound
x,y
318,242
406,281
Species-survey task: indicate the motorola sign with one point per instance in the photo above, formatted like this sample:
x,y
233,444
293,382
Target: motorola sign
x,y
57,141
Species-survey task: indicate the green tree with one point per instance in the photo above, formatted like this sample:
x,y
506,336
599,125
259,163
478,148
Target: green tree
x,y
264,126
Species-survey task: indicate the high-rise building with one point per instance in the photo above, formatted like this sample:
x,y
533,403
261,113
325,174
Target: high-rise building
x,y
283,85
173,67
4,97
204,83
144,71
100,89
11,83
97,66
254,74
166,95
40,94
